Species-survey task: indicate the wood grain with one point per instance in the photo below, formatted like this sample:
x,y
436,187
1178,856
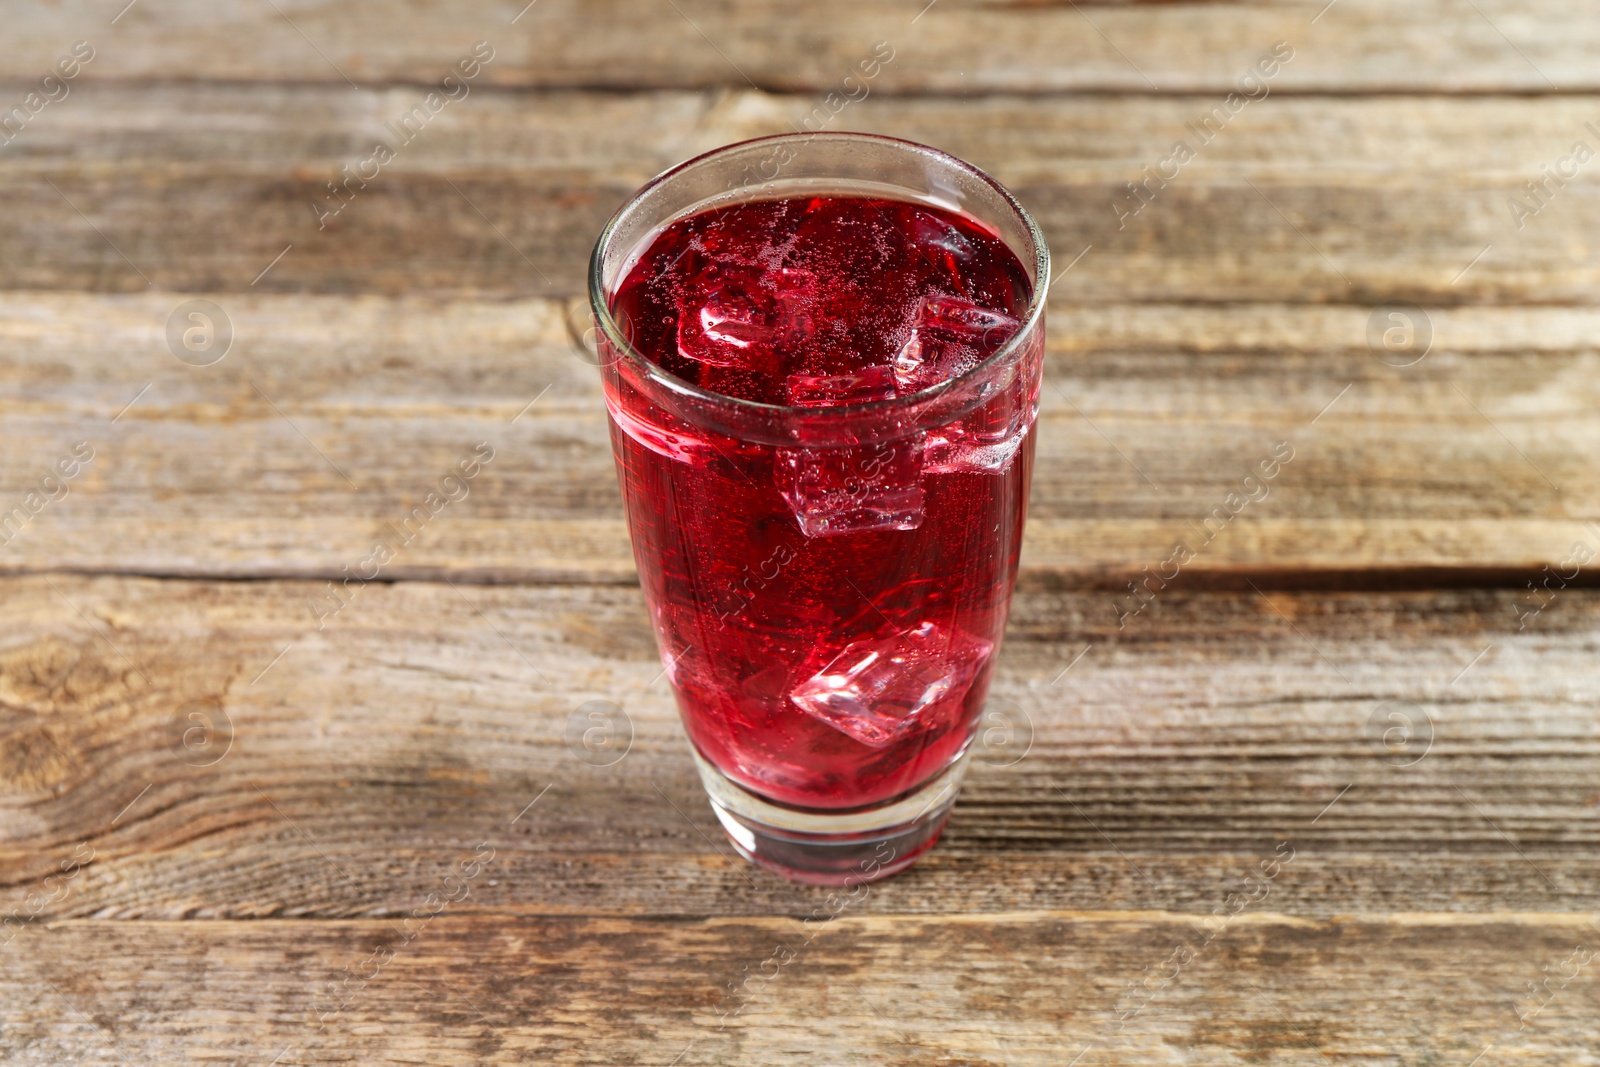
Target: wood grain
x,y
953,47
1039,988
1150,417
1362,200
233,832
1164,765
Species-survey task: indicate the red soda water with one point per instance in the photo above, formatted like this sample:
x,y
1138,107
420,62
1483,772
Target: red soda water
x,y
829,616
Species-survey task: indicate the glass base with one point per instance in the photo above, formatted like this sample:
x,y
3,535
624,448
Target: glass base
x,y
833,848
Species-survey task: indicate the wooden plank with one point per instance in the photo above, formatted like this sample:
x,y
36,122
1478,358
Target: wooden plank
x,y
1034,988
1359,45
338,770
1151,416
1297,199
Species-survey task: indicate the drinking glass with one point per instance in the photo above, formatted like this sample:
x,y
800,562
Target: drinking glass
x,y
829,585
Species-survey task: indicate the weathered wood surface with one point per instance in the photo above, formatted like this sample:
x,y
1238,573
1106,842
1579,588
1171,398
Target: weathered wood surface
x,y
950,46
1174,756
1036,988
1150,417
1360,200
232,875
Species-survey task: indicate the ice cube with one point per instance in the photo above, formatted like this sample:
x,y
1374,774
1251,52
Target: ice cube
x,y
833,390
853,488
949,336
958,454
987,439
746,317
940,244
879,690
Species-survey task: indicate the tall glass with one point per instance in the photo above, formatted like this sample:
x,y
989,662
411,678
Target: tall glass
x,y
829,585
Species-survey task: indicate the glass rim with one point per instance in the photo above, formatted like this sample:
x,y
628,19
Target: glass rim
x,y
600,304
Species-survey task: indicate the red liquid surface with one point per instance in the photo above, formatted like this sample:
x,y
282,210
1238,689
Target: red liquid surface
x,y
829,616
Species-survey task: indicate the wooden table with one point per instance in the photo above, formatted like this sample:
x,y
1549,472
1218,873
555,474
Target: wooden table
x,y
1331,795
